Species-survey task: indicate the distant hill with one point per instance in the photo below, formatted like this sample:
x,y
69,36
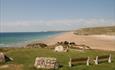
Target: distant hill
x,y
110,30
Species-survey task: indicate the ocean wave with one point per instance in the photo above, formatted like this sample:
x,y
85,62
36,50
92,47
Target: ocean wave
x,y
21,39
11,45
3,45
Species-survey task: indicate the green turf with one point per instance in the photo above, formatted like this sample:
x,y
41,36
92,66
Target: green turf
x,y
26,58
109,30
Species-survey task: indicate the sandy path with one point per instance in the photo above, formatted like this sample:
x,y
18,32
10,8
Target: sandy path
x,y
94,41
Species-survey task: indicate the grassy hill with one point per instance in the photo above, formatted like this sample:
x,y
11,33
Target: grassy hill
x,y
110,30
24,58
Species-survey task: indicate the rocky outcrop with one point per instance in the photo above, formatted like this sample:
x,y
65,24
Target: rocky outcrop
x,y
36,45
4,58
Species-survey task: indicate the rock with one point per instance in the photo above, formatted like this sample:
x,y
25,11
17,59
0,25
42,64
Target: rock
x,y
2,57
46,63
36,45
61,48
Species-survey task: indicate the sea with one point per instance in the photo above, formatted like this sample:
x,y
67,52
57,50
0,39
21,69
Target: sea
x,y
18,39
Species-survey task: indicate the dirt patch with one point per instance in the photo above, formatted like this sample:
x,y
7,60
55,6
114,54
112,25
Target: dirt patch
x,y
4,66
12,67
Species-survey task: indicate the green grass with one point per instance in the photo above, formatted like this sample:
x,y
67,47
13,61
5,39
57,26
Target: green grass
x,y
110,30
24,58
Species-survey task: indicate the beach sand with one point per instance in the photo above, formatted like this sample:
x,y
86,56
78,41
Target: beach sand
x,y
102,42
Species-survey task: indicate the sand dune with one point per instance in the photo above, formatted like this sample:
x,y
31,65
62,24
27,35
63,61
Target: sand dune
x,y
103,42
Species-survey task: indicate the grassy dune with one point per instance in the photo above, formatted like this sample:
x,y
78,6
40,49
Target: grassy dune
x,y
110,30
24,58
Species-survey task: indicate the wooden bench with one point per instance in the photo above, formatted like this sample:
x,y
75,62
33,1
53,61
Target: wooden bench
x,y
102,58
74,61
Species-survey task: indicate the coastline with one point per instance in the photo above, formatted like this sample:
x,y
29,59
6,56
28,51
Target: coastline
x,y
24,41
100,42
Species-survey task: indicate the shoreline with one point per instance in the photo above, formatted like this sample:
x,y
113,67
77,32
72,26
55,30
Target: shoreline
x,y
99,42
24,43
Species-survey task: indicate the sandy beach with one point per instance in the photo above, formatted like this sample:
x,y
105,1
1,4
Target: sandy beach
x,y
102,42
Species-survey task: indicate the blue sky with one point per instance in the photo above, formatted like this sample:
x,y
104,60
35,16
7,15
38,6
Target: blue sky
x,y
44,15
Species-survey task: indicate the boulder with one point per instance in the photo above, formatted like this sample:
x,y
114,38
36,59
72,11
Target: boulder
x,y
2,57
46,63
36,45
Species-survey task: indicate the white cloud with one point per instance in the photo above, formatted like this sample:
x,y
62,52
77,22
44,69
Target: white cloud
x,y
63,24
